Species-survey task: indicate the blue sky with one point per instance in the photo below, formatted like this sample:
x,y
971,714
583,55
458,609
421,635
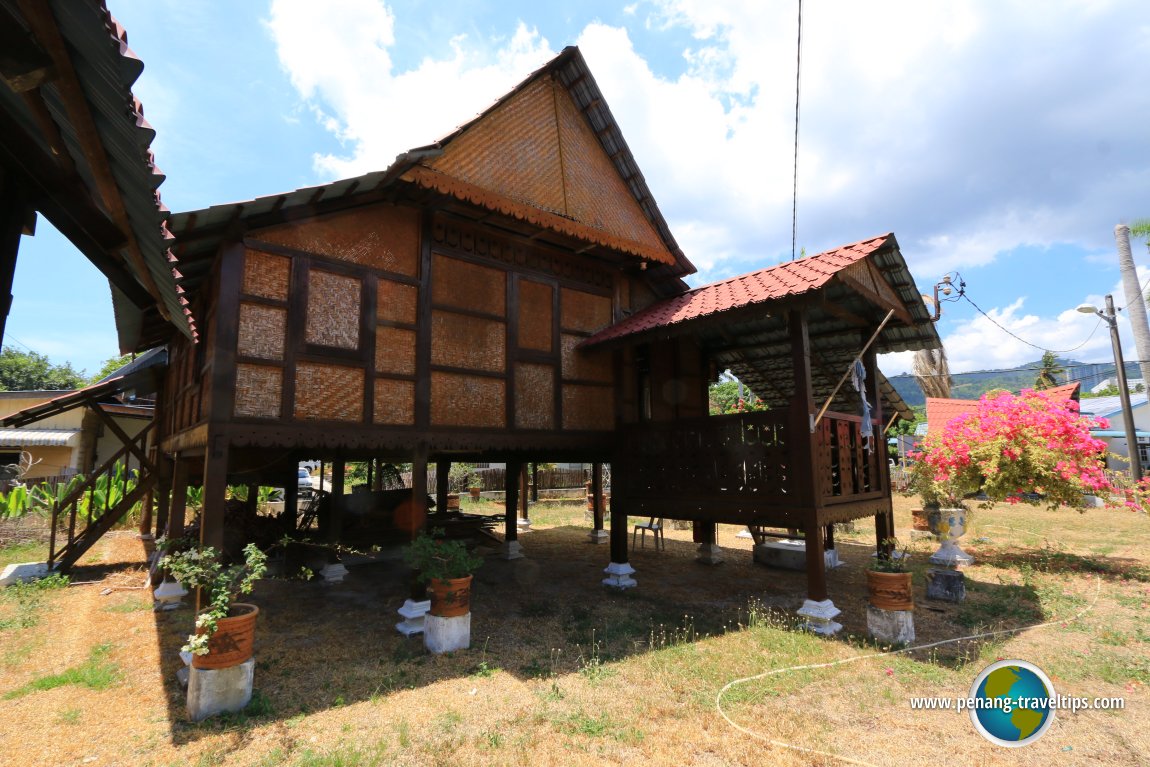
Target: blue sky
x,y
994,141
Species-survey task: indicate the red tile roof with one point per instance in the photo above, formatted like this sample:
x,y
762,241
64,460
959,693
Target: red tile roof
x,y
940,412
787,279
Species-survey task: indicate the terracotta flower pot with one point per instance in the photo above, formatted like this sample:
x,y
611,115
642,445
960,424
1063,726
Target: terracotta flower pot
x,y
450,598
231,645
919,520
474,491
453,501
890,591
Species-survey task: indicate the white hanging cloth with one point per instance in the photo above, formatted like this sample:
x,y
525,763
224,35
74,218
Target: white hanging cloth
x,y
858,380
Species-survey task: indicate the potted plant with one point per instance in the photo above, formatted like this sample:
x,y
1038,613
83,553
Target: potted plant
x,y
225,628
474,486
446,567
889,578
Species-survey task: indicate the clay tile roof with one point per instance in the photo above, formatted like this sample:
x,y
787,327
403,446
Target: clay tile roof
x,y
940,412
792,278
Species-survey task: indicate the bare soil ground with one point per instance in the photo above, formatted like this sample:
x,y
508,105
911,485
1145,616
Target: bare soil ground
x,y
563,671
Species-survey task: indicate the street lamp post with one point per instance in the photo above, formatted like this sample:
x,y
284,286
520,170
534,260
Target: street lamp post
x,y
1123,392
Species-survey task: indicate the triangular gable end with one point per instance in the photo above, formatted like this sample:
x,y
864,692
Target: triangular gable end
x,y
535,156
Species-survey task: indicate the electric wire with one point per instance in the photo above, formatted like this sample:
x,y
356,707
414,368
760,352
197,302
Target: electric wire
x,y
795,186
1017,337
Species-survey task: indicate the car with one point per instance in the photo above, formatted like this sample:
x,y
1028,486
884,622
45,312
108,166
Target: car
x,y
307,485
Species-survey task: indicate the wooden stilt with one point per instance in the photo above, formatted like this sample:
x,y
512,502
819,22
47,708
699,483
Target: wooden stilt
x,y
215,494
179,503
511,480
442,485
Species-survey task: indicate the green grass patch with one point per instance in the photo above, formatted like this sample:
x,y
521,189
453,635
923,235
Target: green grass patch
x,y
601,726
96,673
22,602
129,606
23,552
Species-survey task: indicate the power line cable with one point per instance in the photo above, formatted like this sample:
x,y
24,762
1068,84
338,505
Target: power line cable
x,y
795,187
1017,337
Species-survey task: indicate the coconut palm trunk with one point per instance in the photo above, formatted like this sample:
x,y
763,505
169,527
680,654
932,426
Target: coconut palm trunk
x,y
932,372
1135,303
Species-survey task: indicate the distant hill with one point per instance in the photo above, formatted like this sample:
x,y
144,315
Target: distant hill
x,y
974,385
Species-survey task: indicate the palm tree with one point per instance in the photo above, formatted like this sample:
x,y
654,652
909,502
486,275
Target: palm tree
x,y
1049,372
931,371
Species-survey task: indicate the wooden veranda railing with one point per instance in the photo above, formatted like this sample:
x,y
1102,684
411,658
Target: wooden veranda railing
x,y
745,468
100,500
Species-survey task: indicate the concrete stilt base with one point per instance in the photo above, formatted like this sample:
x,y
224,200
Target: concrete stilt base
x,y
524,525
709,554
25,571
894,626
168,595
510,550
945,585
214,691
333,573
442,635
744,533
619,576
413,614
820,617
790,554
598,536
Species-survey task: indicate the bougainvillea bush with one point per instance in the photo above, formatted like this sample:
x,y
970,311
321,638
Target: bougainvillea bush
x,y
1014,446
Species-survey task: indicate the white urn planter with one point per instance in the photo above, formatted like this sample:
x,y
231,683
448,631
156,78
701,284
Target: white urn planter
x,y
949,524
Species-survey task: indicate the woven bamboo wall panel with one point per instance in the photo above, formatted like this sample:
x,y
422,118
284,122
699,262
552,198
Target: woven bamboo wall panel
x,y
266,275
468,286
396,302
535,314
262,331
395,351
514,150
394,402
595,192
534,396
333,303
459,341
582,311
588,407
463,400
259,391
381,237
328,392
585,365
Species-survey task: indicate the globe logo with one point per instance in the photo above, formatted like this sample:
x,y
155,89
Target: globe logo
x,y
1013,701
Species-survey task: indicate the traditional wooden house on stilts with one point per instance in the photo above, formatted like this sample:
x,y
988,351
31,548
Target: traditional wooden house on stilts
x,y
512,293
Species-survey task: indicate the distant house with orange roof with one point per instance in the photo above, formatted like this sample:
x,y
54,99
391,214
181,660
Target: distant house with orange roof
x,y
940,412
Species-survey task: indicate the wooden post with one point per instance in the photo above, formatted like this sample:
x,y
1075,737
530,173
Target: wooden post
x,y
290,514
442,485
335,526
596,497
163,494
419,488
215,494
179,497
806,454
880,477
524,486
535,483
511,481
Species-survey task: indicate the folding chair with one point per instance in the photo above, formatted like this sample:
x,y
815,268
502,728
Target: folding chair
x,y
655,525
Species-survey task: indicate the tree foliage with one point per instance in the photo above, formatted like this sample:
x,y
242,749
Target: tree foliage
x,y
30,371
111,365
1049,372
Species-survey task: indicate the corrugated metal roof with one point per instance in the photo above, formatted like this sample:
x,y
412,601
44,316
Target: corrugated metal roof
x,y
1105,407
39,437
1118,433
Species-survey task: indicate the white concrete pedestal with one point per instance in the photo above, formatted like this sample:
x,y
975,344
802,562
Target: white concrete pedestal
x,y
214,691
598,536
442,635
333,572
413,614
790,554
168,595
523,525
893,626
709,554
820,617
510,550
24,571
950,555
745,533
619,576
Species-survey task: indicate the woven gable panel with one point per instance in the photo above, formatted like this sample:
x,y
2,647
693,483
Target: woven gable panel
x,y
262,331
513,151
328,392
535,314
588,408
460,341
266,275
381,237
463,400
394,402
259,391
464,285
596,194
534,396
582,311
395,351
594,365
333,303
396,302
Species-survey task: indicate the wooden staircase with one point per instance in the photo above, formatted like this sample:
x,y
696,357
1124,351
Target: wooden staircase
x,y
101,500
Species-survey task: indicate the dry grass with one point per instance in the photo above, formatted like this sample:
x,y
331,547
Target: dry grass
x,y
562,671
